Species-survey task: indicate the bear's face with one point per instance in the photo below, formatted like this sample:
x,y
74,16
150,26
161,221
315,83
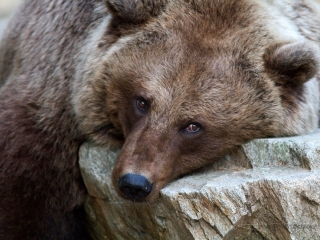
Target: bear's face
x,y
184,88
182,109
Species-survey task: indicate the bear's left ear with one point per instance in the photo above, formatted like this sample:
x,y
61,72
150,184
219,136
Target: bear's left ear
x,y
292,63
135,11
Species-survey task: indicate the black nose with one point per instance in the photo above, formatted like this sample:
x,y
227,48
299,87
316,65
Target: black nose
x,y
134,186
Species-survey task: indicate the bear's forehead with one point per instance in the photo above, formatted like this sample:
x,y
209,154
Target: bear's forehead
x,y
185,37
191,98
177,69
203,20
193,56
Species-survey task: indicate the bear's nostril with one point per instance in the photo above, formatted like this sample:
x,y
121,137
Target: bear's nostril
x,y
134,186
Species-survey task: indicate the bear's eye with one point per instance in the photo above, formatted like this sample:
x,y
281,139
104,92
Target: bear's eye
x,y
142,105
193,128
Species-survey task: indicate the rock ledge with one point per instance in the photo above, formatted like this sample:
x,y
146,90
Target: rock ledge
x,y
268,189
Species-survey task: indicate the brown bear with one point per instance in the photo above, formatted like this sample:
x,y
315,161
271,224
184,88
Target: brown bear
x,y
176,83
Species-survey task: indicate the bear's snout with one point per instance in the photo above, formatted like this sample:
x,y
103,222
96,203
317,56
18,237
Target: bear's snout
x,y
135,187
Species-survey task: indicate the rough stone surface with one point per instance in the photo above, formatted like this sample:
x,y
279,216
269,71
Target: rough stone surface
x,y
268,189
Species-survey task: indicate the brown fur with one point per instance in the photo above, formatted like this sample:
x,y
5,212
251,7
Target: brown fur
x,y
41,189
71,72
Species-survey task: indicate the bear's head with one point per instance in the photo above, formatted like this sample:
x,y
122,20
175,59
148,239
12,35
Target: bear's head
x,y
182,83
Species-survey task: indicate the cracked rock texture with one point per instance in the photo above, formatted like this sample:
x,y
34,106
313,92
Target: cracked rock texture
x,y
267,189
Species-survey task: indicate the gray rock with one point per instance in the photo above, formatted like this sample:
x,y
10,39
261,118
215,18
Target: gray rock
x,y
267,189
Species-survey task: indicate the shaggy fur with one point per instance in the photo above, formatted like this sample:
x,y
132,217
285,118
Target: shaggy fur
x,y
70,71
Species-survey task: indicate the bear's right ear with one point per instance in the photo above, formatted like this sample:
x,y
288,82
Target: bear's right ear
x,y
292,63
135,11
